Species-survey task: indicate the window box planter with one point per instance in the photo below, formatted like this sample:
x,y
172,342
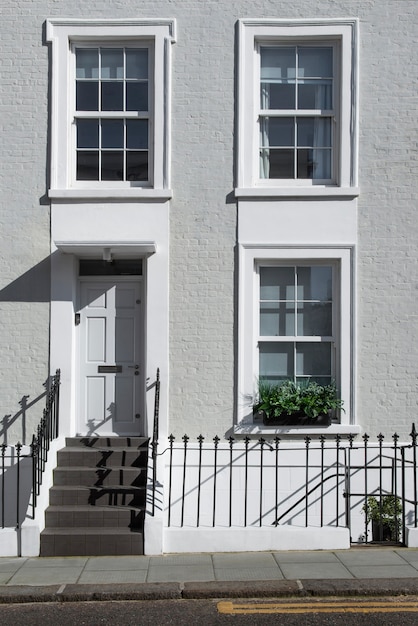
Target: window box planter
x,y
295,419
296,404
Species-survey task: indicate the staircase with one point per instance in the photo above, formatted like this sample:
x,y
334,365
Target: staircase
x,y
97,502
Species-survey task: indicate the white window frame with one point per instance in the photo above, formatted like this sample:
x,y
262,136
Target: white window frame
x,y
114,115
65,34
333,340
342,34
300,113
250,258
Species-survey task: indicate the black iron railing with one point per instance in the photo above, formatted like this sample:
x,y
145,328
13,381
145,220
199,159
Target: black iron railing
x,y
328,481
154,442
14,462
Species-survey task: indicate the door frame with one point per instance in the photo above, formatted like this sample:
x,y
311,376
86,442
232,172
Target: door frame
x,y
155,312
112,280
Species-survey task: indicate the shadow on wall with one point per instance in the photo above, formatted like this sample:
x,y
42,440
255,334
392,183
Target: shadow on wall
x,y
12,422
17,486
32,286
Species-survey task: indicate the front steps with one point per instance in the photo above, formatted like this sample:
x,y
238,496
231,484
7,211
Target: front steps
x,y
97,502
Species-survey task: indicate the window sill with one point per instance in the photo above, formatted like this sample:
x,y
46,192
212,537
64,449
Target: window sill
x,y
252,428
297,192
138,194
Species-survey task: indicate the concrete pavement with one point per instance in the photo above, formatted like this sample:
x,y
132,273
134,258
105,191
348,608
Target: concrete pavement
x,y
365,570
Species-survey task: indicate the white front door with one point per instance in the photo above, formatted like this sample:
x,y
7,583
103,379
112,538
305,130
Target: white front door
x,y
110,364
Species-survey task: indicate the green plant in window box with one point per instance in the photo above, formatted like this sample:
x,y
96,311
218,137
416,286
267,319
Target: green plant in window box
x,y
385,515
290,403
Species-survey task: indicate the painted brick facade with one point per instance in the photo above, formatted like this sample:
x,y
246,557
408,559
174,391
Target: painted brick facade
x,y
203,211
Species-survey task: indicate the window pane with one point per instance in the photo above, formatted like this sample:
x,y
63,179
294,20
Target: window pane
x,y
315,94
137,165
88,165
314,164
136,63
277,164
112,134
278,85
277,319
278,96
112,165
137,134
87,96
112,96
276,361
313,359
277,131
87,133
112,63
277,63
277,283
87,63
137,96
314,283
315,319
314,132
314,62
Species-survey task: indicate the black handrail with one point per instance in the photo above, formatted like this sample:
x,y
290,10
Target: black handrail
x,y
47,430
155,435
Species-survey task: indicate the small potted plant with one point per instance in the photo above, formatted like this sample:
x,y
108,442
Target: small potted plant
x,y
290,403
385,516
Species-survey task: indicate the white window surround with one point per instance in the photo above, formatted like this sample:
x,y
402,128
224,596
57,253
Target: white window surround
x,y
343,33
159,34
250,257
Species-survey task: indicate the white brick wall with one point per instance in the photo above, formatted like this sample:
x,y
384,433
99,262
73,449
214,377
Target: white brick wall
x,y
203,212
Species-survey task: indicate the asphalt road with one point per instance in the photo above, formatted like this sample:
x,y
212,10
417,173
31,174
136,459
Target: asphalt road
x,y
313,612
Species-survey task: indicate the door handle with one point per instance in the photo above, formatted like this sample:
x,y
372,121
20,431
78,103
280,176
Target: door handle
x,y
136,367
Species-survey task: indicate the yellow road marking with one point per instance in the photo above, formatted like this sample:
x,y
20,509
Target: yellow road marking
x,y
232,608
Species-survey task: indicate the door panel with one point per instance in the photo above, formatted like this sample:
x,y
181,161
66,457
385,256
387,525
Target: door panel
x,y
124,396
109,347
96,339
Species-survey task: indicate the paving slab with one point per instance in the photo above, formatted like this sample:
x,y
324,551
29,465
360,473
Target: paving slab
x,y
383,571
251,573
305,557
224,561
371,558
410,556
5,577
297,571
12,564
181,559
112,576
55,562
45,576
180,573
117,563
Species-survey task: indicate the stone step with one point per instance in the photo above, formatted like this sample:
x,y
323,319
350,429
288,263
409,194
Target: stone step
x,y
94,516
98,498
110,496
107,442
86,541
102,457
99,477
